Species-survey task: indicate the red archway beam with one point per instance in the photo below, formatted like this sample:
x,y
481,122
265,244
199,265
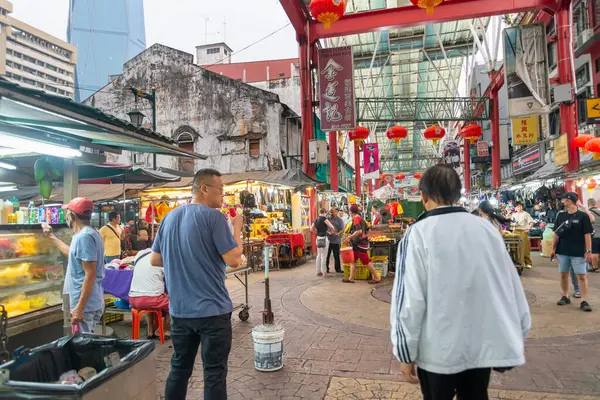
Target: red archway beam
x,y
411,16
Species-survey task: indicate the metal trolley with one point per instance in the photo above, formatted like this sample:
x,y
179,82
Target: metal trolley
x,y
244,314
514,246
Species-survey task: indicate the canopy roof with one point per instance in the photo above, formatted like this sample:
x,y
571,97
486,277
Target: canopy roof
x,y
422,62
38,115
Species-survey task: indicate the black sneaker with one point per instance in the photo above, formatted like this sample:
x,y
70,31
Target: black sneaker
x,y
585,306
564,301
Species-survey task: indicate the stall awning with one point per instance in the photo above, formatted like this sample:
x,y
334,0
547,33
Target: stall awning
x,y
288,177
92,192
91,173
38,115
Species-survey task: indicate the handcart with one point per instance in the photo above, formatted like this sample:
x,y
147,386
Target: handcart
x,y
244,314
514,246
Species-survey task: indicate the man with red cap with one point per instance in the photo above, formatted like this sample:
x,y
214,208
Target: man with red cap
x,y
85,268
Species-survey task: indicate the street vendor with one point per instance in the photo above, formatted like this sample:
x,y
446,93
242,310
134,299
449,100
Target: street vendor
x,y
522,224
360,245
112,234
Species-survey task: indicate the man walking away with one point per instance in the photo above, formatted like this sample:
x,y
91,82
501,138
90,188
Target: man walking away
x,y
594,214
112,234
572,243
322,227
360,245
85,266
335,240
458,308
523,223
195,245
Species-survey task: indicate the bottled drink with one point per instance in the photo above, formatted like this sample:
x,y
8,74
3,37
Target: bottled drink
x,y
61,216
32,217
41,215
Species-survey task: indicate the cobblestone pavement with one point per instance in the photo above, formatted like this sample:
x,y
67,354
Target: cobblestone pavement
x,y
325,352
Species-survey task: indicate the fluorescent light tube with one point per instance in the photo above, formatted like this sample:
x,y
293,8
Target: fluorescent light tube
x,y
30,145
7,166
7,188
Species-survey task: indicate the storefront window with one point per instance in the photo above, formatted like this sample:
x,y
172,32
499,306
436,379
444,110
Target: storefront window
x,y
186,141
582,75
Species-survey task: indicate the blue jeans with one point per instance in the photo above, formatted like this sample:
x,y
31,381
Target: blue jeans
x,y
215,336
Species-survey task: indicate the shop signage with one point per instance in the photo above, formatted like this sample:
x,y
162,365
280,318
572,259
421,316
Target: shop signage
x,y
336,89
525,130
526,69
561,150
526,160
483,149
452,153
371,160
593,111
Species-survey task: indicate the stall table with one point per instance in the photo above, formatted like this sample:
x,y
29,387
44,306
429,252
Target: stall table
x,y
295,241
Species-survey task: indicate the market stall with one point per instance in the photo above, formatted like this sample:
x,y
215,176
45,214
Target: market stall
x,y
46,141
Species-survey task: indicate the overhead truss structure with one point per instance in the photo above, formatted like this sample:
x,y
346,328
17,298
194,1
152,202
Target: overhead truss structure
x,y
427,110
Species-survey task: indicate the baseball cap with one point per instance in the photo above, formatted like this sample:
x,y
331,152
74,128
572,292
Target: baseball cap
x,y
354,208
571,196
80,206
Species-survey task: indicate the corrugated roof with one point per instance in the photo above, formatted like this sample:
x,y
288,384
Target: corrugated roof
x,y
256,71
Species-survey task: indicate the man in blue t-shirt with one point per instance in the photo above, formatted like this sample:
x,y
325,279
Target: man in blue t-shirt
x,y
85,267
195,245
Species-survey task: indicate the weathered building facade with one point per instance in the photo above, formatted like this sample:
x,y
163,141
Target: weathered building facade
x,y
238,127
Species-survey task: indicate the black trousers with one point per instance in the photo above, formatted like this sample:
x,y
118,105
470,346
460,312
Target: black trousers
x,y
467,385
335,249
214,334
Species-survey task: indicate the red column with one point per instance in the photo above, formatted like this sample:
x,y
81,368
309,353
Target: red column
x,y
568,121
357,180
467,166
306,103
333,161
370,183
495,124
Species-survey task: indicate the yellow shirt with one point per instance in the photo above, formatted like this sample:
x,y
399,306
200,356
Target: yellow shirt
x,y
112,243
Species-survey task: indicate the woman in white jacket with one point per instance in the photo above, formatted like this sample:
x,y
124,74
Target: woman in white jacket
x,y
458,308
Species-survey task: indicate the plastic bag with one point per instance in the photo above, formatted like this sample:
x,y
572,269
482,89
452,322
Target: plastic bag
x,y
34,373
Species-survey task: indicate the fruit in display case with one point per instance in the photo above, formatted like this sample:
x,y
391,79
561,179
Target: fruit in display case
x,y
20,303
6,248
15,276
46,272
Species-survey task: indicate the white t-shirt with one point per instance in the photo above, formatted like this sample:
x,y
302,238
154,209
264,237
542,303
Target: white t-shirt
x,y
147,280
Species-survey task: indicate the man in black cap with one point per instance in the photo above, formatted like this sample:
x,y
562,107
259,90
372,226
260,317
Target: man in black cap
x,y
572,243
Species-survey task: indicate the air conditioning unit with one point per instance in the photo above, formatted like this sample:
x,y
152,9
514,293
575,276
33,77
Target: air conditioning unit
x,y
317,152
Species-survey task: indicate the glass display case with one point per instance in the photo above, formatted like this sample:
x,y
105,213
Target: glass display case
x,y
32,269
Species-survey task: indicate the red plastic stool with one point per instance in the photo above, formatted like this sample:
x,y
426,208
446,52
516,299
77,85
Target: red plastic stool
x,y
535,244
137,318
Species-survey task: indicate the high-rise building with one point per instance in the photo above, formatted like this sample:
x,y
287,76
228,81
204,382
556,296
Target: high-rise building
x,y
33,58
107,33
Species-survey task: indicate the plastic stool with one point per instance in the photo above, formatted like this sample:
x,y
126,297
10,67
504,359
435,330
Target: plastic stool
x,y
136,316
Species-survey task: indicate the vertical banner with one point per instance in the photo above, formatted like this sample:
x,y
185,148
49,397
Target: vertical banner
x,y
452,153
561,150
525,130
526,68
371,160
336,89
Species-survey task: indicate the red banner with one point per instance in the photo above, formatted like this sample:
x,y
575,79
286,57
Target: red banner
x,y
336,89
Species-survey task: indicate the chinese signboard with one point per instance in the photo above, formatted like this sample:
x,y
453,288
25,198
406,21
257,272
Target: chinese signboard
x,y
371,160
529,159
336,89
526,70
561,150
593,111
525,130
483,149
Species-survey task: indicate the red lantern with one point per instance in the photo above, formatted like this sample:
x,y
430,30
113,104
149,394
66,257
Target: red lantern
x,y
400,177
581,140
471,132
591,184
593,146
327,11
397,133
417,175
427,4
434,133
359,135
413,189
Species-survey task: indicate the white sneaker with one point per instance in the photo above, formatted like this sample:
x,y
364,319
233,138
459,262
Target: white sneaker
x,y
528,266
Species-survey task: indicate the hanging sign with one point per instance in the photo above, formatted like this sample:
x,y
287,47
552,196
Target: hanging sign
x,y
371,160
525,130
593,111
336,89
561,150
526,70
529,159
452,153
483,150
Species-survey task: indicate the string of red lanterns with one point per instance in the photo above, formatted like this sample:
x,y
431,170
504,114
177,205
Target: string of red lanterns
x,y
327,11
397,133
471,132
435,134
593,146
359,135
581,140
429,5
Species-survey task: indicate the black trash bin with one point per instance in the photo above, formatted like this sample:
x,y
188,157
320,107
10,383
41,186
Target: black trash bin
x,y
34,374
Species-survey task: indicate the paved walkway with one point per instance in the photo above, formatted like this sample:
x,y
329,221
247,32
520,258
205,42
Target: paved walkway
x,y
337,343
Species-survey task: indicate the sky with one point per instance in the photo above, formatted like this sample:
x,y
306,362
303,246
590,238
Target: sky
x,y
181,24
